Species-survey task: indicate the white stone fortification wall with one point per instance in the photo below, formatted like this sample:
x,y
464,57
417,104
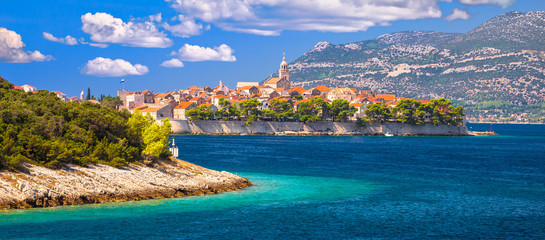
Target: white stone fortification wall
x,y
262,127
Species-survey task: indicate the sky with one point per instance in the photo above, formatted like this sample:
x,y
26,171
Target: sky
x,y
162,45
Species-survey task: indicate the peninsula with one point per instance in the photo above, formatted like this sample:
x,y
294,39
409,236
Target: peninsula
x,y
54,153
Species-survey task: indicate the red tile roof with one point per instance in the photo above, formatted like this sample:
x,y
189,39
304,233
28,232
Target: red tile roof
x,y
387,97
357,104
300,90
322,88
183,105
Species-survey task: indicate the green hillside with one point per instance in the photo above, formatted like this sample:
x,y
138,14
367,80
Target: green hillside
x,y
39,128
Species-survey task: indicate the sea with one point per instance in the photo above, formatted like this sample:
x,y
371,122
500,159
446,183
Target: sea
x,y
332,187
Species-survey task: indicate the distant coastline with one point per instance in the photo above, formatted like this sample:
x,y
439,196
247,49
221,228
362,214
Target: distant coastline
x,y
529,123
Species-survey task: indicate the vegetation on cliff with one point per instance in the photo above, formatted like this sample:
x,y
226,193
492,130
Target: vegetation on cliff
x,y
315,109
436,112
41,129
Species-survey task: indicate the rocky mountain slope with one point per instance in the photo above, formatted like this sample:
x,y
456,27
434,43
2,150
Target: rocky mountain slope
x,y
501,60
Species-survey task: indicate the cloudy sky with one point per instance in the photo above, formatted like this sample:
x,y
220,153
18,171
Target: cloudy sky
x,y
173,44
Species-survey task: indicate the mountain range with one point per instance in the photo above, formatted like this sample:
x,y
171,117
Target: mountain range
x,y
501,62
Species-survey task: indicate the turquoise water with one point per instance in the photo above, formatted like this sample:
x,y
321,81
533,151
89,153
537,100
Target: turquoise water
x,y
332,187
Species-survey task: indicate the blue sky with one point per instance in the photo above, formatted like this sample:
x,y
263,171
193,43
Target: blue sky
x,y
71,45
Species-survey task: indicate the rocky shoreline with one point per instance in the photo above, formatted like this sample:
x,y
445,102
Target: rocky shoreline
x,y
76,185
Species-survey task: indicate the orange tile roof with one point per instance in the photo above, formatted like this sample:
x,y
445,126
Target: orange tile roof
x,y
423,101
300,101
357,104
236,100
322,88
183,105
219,96
17,87
300,90
150,109
387,97
195,99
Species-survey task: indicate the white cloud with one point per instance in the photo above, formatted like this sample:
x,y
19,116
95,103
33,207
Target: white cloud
x,y
186,28
68,40
458,14
501,3
104,28
98,45
194,53
270,17
106,67
11,49
156,18
215,9
172,63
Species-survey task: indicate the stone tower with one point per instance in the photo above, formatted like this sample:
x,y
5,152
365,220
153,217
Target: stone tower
x,y
284,71
82,96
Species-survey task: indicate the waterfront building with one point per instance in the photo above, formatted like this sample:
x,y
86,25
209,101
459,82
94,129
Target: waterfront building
x,y
181,109
133,100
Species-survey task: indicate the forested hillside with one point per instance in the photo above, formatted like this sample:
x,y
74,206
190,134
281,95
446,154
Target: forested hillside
x,y
41,129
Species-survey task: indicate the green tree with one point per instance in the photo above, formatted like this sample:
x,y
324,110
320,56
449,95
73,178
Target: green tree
x,y
200,113
156,140
111,102
281,109
341,110
312,110
377,113
249,107
406,111
224,110
4,84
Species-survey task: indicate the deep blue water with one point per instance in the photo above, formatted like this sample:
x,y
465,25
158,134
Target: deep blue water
x,y
333,188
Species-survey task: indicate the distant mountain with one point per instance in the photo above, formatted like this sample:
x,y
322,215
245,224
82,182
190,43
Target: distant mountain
x,y
501,60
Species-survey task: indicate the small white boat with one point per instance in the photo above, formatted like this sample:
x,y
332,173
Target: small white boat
x,y
388,134
243,134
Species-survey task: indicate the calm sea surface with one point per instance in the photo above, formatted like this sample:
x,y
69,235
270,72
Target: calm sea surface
x,y
332,188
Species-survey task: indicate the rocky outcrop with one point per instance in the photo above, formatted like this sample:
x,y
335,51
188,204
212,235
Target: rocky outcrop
x,y
73,185
315,128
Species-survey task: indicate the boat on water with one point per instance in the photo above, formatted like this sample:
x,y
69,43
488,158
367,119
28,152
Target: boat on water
x,y
388,134
243,134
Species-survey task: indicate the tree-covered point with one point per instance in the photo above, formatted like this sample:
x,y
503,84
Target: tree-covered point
x,y
436,111
39,128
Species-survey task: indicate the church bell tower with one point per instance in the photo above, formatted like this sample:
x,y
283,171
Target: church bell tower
x,y
284,71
